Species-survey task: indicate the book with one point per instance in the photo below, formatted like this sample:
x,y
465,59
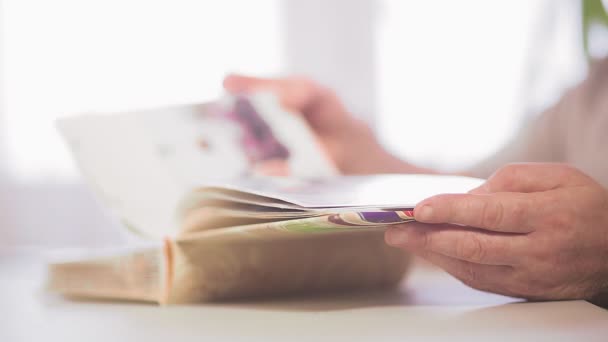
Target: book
x,y
191,182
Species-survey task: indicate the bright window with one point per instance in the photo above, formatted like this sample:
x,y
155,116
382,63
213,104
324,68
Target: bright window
x,y
444,82
455,78
68,56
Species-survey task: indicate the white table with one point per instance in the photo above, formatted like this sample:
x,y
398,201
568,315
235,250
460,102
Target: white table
x,y
429,305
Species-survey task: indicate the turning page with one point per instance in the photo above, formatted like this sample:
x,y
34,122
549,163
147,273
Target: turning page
x,y
142,163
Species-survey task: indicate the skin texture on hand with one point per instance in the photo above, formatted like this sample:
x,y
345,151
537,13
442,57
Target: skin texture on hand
x,y
348,141
536,231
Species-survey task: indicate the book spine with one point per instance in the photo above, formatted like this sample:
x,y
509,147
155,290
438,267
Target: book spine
x,y
211,268
138,275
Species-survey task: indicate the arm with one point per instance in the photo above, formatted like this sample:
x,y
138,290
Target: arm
x,y
355,150
348,141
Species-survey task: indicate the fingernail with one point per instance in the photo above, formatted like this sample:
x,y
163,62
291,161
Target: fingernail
x,y
425,213
396,236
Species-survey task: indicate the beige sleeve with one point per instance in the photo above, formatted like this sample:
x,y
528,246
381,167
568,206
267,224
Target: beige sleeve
x,y
540,139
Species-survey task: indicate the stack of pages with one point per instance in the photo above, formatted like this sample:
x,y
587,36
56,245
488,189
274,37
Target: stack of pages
x,y
212,227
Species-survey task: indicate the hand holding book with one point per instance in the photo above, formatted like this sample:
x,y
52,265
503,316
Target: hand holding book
x,y
349,142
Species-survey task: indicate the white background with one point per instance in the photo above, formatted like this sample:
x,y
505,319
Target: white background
x,y
444,83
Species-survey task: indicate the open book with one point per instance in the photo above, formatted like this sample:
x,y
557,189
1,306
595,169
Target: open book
x,y
214,227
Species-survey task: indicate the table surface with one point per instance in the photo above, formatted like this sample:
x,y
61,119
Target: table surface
x,y
429,304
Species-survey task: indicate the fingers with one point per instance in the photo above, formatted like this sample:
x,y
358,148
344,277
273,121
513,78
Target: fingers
x,y
501,212
241,83
531,177
479,276
483,264
460,243
294,92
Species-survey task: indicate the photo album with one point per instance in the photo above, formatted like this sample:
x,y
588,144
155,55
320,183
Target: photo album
x,y
232,199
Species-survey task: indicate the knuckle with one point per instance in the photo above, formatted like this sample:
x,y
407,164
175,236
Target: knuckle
x,y
471,248
492,214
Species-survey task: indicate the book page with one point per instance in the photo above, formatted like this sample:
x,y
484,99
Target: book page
x,y
142,163
381,191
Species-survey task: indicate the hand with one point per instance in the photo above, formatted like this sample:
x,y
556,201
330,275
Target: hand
x,y
537,231
348,141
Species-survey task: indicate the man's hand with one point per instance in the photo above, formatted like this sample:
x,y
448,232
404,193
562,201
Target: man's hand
x,y
537,231
348,141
